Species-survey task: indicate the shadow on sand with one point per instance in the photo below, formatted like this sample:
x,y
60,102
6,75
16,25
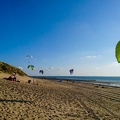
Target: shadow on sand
x,y
21,101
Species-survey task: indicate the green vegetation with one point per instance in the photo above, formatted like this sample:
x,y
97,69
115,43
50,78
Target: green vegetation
x,y
6,68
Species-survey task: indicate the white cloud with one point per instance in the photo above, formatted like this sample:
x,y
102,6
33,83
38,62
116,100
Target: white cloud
x,y
114,64
98,68
51,68
20,68
107,66
91,57
59,68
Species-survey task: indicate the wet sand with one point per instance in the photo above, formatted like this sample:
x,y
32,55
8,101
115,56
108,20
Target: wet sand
x,y
52,100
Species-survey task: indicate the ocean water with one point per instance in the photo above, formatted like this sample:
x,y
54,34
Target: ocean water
x,y
105,80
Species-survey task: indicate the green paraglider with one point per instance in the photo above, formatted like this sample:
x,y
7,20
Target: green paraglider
x,y
31,66
117,52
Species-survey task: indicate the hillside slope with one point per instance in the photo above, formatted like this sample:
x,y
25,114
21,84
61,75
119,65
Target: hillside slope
x,y
6,68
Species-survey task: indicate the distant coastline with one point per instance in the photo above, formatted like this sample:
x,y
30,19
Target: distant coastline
x,y
101,80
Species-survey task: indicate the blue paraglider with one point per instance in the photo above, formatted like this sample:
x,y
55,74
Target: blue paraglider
x,y
71,71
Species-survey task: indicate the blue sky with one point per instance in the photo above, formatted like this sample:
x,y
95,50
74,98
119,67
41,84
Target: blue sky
x,y
60,35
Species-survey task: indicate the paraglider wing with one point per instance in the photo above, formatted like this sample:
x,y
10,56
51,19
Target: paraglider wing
x,y
41,71
29,56
71,71
117,52
31,66
28,66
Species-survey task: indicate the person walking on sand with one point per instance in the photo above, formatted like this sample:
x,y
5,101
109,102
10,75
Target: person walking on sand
x,y
14,77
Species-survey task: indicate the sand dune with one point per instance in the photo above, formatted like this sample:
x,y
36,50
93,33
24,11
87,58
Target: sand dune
x,y
52,100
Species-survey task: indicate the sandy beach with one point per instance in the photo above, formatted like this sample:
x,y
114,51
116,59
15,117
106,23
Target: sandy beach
x,y
52,100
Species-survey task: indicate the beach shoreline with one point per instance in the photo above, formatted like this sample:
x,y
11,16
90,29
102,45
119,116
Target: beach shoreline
x,y
92,81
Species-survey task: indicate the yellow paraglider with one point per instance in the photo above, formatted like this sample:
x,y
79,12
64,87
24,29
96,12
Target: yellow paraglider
x,y
117,52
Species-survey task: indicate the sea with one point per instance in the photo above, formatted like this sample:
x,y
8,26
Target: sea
x,y
103,80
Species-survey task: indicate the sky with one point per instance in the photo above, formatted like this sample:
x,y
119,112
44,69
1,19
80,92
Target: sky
x,y
61,35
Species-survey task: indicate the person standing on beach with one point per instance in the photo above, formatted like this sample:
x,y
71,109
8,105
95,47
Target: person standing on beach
x,y
14,77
